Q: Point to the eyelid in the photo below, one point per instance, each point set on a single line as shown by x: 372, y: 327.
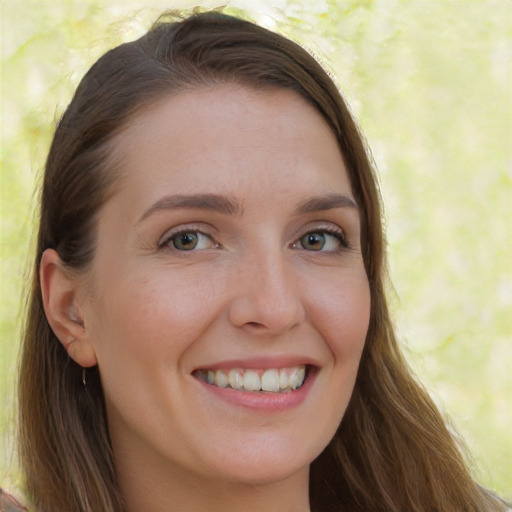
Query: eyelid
x: 183, y: 229
x: 206, y: 230
x: 328, y: 229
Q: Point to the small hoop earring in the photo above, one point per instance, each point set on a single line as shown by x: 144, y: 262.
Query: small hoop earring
x: 84, y: 377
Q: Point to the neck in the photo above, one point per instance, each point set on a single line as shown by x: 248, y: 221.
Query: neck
x: 159, y: 492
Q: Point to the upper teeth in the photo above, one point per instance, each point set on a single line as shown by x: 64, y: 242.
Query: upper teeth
x: 273, y: 380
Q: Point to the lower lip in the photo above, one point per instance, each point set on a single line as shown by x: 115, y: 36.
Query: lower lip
x: 262, y: 400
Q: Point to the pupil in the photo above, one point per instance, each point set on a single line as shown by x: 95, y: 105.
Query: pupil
x: 188, y: 241
x: 314, y: 241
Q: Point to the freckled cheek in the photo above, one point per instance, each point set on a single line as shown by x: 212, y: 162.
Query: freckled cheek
x: 147, y: 315
x: 343, y: 313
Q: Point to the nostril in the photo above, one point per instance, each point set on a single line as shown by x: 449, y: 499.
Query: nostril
x: 254, y: 324
x: 265, y: 313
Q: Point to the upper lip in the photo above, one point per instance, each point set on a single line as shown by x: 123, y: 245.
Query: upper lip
x: 261, y: 362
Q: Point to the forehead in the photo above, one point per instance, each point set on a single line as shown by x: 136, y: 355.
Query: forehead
x: 228, y: 137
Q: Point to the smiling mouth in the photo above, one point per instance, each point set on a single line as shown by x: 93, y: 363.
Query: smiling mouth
x: 273, y: 380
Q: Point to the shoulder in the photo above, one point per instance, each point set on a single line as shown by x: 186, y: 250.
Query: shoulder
x: 8, y: 503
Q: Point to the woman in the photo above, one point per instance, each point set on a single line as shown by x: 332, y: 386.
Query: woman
x: 207, y: 327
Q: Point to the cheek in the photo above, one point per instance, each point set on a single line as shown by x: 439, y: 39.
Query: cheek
x: 144, y: 318
x: 343, y: 314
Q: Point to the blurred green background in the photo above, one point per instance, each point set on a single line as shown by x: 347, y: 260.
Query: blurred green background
x: 430, y: 82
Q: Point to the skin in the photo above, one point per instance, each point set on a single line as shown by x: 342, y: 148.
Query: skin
x: 149, y: 314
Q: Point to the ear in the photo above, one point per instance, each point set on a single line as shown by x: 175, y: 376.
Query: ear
x: 60, y: 291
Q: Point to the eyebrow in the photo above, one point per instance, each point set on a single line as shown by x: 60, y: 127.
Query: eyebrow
x: 211, y: 202
x: 228, y: 206
x: 326, y: 202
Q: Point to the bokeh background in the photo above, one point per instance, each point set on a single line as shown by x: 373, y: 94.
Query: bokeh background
x: 430, y: 82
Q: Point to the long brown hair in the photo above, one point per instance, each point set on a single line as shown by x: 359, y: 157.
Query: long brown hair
x: 392, y: 451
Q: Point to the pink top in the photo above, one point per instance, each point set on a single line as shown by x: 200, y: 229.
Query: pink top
x: 8, y: 503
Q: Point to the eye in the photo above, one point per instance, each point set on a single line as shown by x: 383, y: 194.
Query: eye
x: 189, y: 241
x: 321, y: 241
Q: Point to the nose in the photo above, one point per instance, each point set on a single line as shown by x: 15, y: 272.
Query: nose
x: 267, y: 297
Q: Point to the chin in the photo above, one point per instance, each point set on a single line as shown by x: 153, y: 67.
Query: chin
x: 264, y: 466
x: 259, y: 476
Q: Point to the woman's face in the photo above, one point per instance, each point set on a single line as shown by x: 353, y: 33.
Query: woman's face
x: 227, y: 260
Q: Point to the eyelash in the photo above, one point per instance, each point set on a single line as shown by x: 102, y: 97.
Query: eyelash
x: 168, y: 241
x: 335, y: 232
